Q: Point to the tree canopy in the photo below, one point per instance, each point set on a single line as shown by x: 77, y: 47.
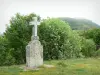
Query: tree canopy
x: 18, y: 35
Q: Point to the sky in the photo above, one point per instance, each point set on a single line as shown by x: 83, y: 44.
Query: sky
x: 88, y: 9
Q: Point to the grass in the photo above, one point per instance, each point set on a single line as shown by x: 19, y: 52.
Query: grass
x: 89, y: 66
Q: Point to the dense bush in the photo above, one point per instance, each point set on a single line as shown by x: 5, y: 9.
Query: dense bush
x: 97, y: 53
x: 18, y: 35
x: 58, y: 40
x: 6, y: 57
x: 88, y: 47
x: 92, y: 34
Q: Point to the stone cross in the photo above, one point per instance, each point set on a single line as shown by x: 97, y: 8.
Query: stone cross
x: 35, y: 23
x: 34, y: 49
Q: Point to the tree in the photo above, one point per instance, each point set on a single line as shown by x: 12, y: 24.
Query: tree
x: 18, y: 35
x: 88, y: 47
x: 57, y: 39
x: 93, y: 34
x: 5, y: 52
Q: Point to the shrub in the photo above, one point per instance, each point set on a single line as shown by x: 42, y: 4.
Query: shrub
x: 97, y: 53
x: 6, y: 57
x: 93, y: 34
x: 19, y: 34
x: 9, y: 59
x: 58, y: 40
x: 88, y: 47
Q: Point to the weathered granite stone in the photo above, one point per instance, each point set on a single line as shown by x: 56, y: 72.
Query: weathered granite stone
x: 34, y: 53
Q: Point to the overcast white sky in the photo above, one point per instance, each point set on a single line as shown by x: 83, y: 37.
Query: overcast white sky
x: 89, y: 9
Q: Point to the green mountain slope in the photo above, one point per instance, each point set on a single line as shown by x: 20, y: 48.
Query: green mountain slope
x: 80, y: 24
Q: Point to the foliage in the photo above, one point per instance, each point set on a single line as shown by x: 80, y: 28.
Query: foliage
x: 93, y: 34
x: 58, y: 40
x: 97, y: 53
x: 80, y: 24
x: 5, y: 53
x: 3, y: 45
x: 18, y: 35
x: 75, y: 41
x: 56, y: 36
x: 88, y: 47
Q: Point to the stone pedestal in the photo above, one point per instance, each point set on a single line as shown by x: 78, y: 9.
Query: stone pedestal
x: 34, y: 53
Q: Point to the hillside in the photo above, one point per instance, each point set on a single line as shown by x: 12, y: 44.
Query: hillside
x: 80, y: 24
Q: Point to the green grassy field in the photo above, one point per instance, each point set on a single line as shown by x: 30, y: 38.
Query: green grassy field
x: 89, y: 66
